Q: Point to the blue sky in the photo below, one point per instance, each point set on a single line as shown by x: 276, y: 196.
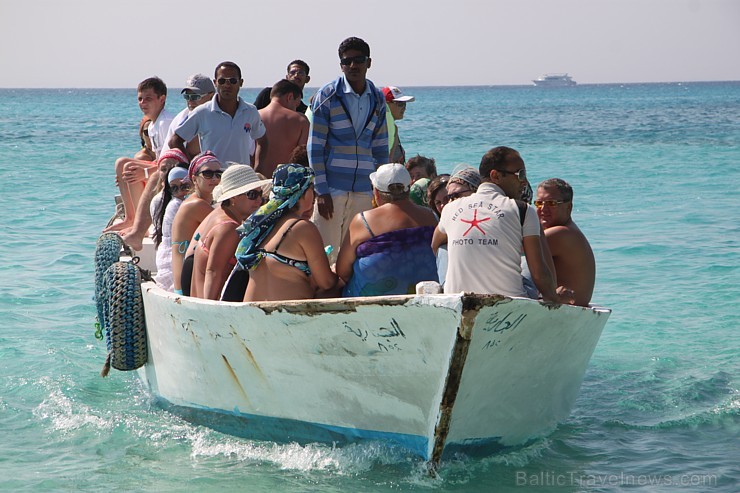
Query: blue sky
x: 117, y: 43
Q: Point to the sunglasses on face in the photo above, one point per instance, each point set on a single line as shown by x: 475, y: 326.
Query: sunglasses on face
x: 456, y: 195
x: 180, y: 188
x: 297, y: 72
x: 209, y: 174
x: 254, y: 194
x: 359, y: 59
x: 223, y: 80
x: 400, y: 104
x: 549, y: 203
x: 192, y: 97
x: 520, y: 174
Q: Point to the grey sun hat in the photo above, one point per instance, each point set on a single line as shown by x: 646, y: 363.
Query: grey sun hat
x: 236, y: 180
x: 199, y: 84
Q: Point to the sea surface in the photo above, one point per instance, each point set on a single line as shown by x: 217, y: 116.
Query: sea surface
x: 656, y: 174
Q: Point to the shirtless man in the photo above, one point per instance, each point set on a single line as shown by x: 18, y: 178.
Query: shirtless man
x: 286, y: 128
x: 575, y: 266
x: 297, y: 73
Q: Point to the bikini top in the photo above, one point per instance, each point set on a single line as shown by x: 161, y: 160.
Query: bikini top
x: 202, y: 243
x: 367, y: 226
x: 301, y: 265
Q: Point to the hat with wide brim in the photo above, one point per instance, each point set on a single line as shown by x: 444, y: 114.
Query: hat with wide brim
x: 238, y: 179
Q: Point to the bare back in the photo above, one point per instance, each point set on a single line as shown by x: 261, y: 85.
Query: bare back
x: 575, y: 266
x: 275, y: 280
x: 191, y: 213
x: 285, y: 129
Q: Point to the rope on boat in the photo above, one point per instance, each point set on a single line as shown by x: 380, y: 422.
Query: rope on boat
x: 107, y: 252
x: 123, y: 316
x: 119, y: 305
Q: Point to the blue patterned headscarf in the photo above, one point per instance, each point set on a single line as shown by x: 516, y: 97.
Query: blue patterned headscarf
x: 289, y: 183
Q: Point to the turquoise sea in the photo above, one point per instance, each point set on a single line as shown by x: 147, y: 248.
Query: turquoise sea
x: 656, y: 172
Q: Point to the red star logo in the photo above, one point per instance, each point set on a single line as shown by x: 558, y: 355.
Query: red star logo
x: 475, y: 222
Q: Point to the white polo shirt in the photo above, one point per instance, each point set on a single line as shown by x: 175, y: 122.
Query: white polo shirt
x: 484, y: 242
x: 230, y: 139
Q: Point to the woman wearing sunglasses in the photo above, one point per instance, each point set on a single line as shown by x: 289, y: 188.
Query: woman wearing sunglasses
x: 176, y: 186
x: 204, y: 173
x: 238, y: 196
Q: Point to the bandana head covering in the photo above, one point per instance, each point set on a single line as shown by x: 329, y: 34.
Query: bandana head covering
x: 289, y: 183
x: 175, y: 154
x: 466, y: 174
x: 418, y: 193
x: 199, y: 161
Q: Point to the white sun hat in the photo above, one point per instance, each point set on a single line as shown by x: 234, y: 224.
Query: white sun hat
x: 236, y: 180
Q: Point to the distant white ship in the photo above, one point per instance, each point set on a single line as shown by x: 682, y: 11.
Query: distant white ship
x: 554, y: 80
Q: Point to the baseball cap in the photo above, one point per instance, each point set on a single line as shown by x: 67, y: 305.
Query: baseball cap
x: 199, y: 84
x: 390, y: 174
x: 392, y: 93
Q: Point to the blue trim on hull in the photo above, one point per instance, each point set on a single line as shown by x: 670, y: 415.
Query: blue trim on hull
x: 284, y: 430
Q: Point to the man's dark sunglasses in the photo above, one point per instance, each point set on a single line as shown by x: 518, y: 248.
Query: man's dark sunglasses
x: 231, y: 80
x: 359, y: 59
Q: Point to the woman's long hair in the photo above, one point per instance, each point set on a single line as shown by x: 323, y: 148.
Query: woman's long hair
x: 158, y: 218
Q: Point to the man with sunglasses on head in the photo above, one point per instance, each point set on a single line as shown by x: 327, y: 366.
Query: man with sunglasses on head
x: 298, y: 75
x: 198, y: 90
x: 575, y: 266
x: 485, y: 233
x: 227, y: 125
x: 348, y: 141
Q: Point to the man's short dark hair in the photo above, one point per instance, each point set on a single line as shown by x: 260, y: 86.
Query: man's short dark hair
x: 566, y: 191
x: 283, y: 87
x: 228, y: 64
x: 299, y: 156
x: 154, y: 83
x: 425, y: 162
x: 497, y: 158
x: 300, y: 63
x: 354, y: 44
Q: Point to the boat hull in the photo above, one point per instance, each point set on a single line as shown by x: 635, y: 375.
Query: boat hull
x: 431, y: 373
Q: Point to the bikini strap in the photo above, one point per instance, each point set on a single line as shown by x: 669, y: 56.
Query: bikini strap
x: 367, y: 226
x: 284, y: 235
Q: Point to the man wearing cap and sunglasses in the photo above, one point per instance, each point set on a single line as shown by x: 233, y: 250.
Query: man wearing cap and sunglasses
x: 396, y: 101
x: 575, y: 266
x: 485, y: 233
x: 348, y: 141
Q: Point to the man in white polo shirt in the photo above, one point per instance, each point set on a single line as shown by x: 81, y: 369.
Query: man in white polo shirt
x: 484, y: 233
x: 228, y: 126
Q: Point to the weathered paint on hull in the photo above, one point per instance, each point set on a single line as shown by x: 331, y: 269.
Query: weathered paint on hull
x: 420, y: 371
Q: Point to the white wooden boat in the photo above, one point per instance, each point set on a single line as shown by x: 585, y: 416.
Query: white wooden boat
x: 432, y: 373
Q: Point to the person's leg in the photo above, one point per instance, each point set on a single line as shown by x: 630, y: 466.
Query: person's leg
x: 134, y: 237
x: 121, y: 162
x: 331, y: 229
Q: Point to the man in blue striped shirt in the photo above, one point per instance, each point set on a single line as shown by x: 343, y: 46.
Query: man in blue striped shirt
x: 348, y: 141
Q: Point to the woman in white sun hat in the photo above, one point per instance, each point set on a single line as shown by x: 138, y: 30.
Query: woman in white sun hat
x: 239, y: 194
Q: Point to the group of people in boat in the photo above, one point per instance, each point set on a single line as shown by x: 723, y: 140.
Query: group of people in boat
x: 282, y: 200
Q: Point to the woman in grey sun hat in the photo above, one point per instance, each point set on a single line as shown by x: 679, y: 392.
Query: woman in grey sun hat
x: 238, y: 195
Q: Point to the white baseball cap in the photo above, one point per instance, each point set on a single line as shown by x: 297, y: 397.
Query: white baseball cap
x: 392, y: 93
x: 390, y: 174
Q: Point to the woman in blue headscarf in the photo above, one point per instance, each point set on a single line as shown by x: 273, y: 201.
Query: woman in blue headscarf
x: 284, y: 251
